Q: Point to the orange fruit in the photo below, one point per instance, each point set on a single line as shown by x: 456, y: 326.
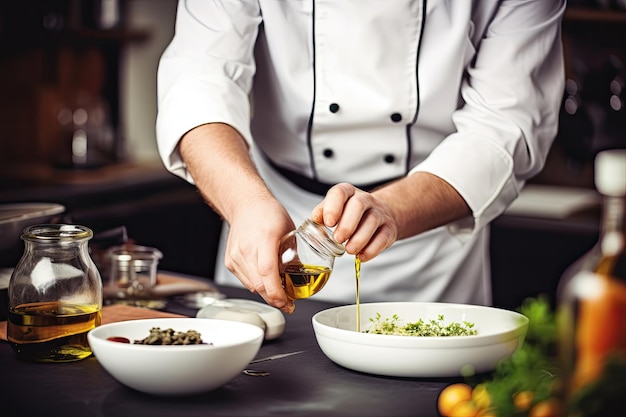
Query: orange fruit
x: 451, y: 396
x: 546, y: 408
x: 465, y: 408
x: 481, y: 397
x: 523, y: 400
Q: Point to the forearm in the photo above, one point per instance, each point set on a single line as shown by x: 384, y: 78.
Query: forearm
x: 427, y: 202
x: 218, y: 160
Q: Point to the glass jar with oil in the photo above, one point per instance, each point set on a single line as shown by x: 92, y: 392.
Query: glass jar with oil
x: 54, y: 295
x: 306, y: 259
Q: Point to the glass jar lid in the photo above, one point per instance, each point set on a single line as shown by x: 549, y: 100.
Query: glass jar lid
x: 138, y: 255
x: 54, y: 233
x: 320, y: 238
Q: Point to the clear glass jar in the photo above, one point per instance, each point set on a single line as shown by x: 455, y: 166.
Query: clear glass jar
x: 132, y: 276
x: 306, y: 259
x: 55, y: 295
x: 592, y: 305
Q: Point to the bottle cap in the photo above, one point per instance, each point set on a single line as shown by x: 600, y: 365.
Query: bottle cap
x: 610, y: 172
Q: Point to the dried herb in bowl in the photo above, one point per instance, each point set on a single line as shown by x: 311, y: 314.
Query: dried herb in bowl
x: 165, y: 337
x: 171, y: 337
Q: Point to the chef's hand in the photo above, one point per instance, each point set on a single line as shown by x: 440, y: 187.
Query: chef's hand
x: 369, y: 223
x: 218, y: 159
x: 362, y: 221
x: 252, y: 249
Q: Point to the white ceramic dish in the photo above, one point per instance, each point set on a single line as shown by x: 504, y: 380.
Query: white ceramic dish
x: 500, y: 333
x: 176, y: 370
x: 269, y: 318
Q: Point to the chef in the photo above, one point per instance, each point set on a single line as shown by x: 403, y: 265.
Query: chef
x: 407, y: 126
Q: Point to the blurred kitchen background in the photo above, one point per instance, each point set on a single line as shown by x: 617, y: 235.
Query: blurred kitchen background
x: 78, y: 108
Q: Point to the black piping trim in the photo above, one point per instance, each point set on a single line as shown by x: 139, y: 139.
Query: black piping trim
x: 317, y: 187
x: 417, y: 86
x: 408, y: 127
x: 310, y: 125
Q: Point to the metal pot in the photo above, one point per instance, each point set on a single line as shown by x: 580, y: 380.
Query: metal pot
x: 5, y: 276
x: 15, y: 217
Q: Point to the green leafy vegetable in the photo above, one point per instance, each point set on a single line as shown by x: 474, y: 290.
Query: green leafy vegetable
x: 532, y: 368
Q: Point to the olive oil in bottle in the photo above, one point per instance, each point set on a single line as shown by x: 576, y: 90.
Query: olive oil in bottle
x: 306, y: 259
x: 592, y: 306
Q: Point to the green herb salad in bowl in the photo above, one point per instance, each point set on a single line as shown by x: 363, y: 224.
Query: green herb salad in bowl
x: 417, y: 339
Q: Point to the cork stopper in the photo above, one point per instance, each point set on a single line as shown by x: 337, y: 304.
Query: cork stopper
x: 610, y: 172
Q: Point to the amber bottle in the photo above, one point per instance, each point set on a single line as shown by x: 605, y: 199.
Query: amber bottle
x: 592, y: 306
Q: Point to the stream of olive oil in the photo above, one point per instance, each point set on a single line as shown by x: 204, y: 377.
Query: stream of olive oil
x: 357, y: 270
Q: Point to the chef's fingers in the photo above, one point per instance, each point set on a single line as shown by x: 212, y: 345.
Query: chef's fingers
x: 355, y: 216
x: 259, y: 274
x: 268, y: 284
x: 361, y: 221
x: 252, y: 250
x: 379, y: 241
x: 235, y: 261
x: 362, y: 232
x: 368, y: 226
x: 330, y: 210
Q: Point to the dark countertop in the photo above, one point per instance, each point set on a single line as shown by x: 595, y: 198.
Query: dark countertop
x: 302, y: 385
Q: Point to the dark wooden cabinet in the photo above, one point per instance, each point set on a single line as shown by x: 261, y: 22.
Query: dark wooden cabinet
x: 529, y: 255
x: 53, y: 56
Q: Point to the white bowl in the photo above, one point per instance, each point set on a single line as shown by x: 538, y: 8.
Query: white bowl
x: 176, y: 369
x: 499, y: 333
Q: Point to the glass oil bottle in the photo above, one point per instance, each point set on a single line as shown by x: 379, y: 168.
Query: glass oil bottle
x: 306, y: 259
x: 54, y: 296
x: 592, y: 305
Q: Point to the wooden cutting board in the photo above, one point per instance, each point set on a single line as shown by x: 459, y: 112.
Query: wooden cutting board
x: 114, y: 313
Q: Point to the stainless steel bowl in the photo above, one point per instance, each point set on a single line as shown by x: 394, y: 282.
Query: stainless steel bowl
x: 5, y: 276
x: 15, y: 217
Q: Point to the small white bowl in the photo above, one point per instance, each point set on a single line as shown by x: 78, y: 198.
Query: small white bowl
x: 176, y: 369
x: 499, y: 333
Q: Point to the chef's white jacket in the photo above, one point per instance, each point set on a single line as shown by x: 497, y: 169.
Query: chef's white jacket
x: 370, y: 90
